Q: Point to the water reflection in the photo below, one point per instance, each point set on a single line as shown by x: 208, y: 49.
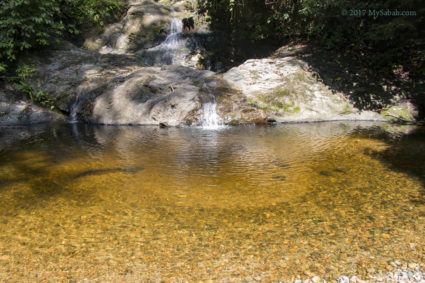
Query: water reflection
x: 144, y: 203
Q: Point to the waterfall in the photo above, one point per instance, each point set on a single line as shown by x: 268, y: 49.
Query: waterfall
x: 173, y: 43
x: 74, y: 109
x: 176, y: 27
x: 76, y: 106
x: 210, y: 118
x: 172, y: 51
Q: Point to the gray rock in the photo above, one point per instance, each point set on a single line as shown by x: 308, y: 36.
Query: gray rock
x: 117, y: 89
x: 286, y: 91
x: 144, y: 25
x: 150, y: 96
x: 23, y: 112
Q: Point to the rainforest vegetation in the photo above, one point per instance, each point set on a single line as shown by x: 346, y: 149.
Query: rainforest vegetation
x: 364, y: 28
x: 384, y: 34
x: 33, y: 24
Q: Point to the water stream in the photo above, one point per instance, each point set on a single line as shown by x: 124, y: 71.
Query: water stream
x: 74, y: 111
x: 172, y: 50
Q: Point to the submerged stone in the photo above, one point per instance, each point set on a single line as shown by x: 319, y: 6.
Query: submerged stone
x: 279, y: 177
x: 126, y: 170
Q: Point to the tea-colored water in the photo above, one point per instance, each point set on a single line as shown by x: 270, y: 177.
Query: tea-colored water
x: 86, y: 203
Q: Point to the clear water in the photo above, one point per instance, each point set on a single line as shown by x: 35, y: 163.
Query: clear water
x: 126, y: 204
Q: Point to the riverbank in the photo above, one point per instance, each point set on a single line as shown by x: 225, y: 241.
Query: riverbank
x: 146, y: 70
x: 283, y: 87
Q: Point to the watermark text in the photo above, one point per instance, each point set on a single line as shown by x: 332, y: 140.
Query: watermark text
x: 377, y: 13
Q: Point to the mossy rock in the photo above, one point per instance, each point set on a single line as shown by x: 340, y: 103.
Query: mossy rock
x: 280, y: 100
x: 398, y: 113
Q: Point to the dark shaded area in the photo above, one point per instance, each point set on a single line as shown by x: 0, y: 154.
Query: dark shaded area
x: 405, y: 153
x: 371, y: 58
x: 280, y: 164
x: 225, y: 52
x: 364, y: 87
x: 188, y: 24
x: 55, y: 143
x: 126, y: 170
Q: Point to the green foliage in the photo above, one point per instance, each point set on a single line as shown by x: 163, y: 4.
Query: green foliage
x: 27, y: 71
x: 32, y: 24
x: 26, y: 24
x: 39, y: 97
x: 44, y: 99
x: 381, y: 39
x: 90, y: 12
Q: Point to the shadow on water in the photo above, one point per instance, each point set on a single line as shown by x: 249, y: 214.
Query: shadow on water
x: 30, y: 153
x: 405, y: 153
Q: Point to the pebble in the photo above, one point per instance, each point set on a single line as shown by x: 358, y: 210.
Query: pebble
x: 355, y: 279
x: 413, y: 266
x: 344, y: 279
x: 415, y: 274
x: 4, y: 257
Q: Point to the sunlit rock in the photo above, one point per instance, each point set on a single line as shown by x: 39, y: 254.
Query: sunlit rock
x: 287, y: 91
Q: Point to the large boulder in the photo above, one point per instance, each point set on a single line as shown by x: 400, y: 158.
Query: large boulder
x: 286, y: 90
x: 172, y: 95
x: 117, y: 89
x: 151, y: 95
x: 70, y: 73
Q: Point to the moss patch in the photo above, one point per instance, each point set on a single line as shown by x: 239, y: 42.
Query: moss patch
x: 347, y: 110
x: 397, y: 113
x: 274, y: 104
x: 285, y: 99
x: 281, y: 92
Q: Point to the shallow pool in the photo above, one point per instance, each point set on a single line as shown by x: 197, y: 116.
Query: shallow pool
x: 102, y: 203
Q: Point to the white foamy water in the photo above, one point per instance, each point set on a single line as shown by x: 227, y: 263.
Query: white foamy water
x: 172, y: 50
x: 210, y: 117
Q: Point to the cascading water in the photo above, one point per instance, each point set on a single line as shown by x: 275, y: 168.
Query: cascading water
x: 173, y: 43
x: 172, y: 51
x: 210, y: 118
x: 76, y: 106
x: 74, y: 109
